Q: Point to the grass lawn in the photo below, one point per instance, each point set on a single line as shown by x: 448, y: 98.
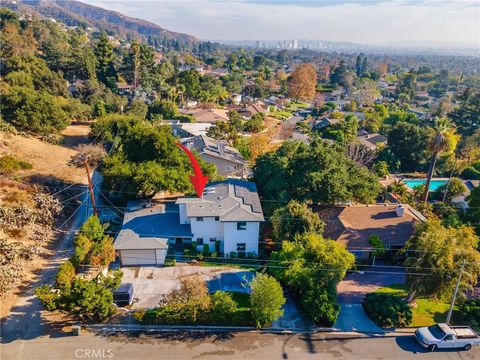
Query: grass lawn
x: 295, y: 106
x: 281, y: 114
x: 428, y: 311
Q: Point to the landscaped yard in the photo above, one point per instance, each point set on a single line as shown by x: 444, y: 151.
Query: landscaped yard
x: 428, y: 311
x: 296, y: 105
x: 281, y: 114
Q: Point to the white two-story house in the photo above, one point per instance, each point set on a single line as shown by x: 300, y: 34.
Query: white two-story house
x: 229, y: 212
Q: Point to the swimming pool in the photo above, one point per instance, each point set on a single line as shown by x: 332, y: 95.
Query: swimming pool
x: 434, y: 184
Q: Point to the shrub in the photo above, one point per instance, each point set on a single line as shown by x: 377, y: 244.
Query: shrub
x: 194, y: 247
x: 206, y: 250
x: 218, y: 246
x: 470, y: 313
x: 65, y: 275
x: 10, y: 164
x: 387, y: 310
x: 222, y: 308
x: 214, y: 254
x: 266, y: 300
x: 233, y: 254
x: 321, y: 306
x: 250, y: 255
x: 48, y: 297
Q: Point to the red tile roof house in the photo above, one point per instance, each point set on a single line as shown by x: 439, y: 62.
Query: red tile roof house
x: 353, y: 225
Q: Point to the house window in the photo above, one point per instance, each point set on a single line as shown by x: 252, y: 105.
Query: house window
x: 199, y: 241
x: 241, y: 246
x: 241, y: 225
x: 217, y: 218
x: 230, y: 167
x: 213, y: 239
x: 199, y: 218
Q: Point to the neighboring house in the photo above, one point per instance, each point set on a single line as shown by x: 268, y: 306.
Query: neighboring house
x: 228, y: 160
x: 324, y: 122
x: 229, y: 212
x: 187, y: 130
x: 248, y: 110
x: 207, y: 115
x: 220, y: 71
x: 420, y: 113
x: 372, y: 141
x: 125, y: 89
x: 353, y: 225
x: 236, y: 98
x: 341, y: 104
x: 460, y: 199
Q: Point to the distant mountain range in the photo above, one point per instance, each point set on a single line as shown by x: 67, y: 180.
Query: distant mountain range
x: 74, y: 13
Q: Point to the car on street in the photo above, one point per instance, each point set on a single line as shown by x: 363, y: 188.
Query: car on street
x: 444, y: 336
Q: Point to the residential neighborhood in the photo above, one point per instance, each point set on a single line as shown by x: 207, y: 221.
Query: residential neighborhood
x: 239, y: 179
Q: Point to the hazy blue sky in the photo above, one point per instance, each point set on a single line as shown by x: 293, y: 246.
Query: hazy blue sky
x: 368, y: 21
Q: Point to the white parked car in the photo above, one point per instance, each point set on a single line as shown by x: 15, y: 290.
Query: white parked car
x: 444, y: 336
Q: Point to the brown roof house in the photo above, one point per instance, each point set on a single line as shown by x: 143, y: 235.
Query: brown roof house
x: 207, y: 115
x: 228, y: 160
x: 353, y: 225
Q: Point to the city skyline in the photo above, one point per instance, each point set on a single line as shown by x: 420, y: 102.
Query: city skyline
x: 424, y: 22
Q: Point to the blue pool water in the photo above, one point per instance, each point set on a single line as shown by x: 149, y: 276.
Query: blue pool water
x: 434, y: 184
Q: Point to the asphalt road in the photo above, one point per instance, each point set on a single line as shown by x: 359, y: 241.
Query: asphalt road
x: 249, y: 345
x: 25, y: 320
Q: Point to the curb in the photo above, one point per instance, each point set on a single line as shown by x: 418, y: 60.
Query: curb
x: 112, y: 328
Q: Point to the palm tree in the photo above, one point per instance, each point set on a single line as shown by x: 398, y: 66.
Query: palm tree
x: 439, y: 143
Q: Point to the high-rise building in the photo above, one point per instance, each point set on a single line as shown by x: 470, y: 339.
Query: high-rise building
x: 295, y: 44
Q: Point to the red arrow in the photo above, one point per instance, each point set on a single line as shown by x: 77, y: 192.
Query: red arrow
x: 198, y: 179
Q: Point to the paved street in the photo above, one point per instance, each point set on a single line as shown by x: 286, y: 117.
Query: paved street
x: 249, y: 345
x: 25, y: 319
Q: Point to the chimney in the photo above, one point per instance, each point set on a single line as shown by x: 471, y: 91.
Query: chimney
x: 400, y: 210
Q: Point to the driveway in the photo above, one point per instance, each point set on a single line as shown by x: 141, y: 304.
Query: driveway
x: 353, y: 288
x: 150, y: 283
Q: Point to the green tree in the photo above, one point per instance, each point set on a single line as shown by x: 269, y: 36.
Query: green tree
x: 293, y: 219
x: 32, y: 110
x: 266, y: 300
x: 474, y: 198
x: 105, y: 61
x: 443, y: 140
x: 93, y: 229
x: 90, y: 299
x: 82, y: 247
x: 316, y: 172
x: 442, y: 250
x: 408, y: 142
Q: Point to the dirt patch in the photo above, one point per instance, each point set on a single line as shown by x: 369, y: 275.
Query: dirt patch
x: 75, y: 135
x: 48, y: 161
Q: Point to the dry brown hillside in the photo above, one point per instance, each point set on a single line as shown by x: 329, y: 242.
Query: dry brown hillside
x: 28, y: 211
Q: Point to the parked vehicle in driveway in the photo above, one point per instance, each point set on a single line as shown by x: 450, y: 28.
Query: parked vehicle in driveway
x: 444, y: 336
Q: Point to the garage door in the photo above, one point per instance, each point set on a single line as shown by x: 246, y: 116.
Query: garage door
x: 138, y: 257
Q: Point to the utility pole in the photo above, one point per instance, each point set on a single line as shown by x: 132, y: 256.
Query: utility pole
x: 92, y: 195
x: 454, y: 297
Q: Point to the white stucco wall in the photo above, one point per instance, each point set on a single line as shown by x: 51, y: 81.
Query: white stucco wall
x: 206, y: 229
x: 232, y: 236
